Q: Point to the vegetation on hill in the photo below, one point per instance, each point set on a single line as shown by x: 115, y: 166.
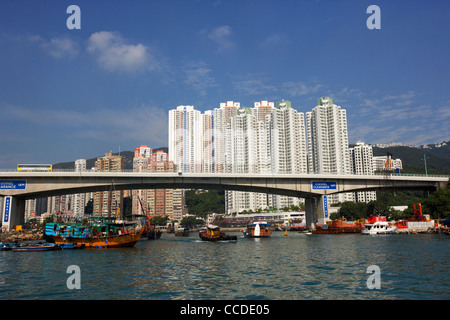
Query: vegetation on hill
x: 437, y: 159
x: 437, y: 205
x: 203, y: 203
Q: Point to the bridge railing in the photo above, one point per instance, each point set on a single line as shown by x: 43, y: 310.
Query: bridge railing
x: 389, y: 174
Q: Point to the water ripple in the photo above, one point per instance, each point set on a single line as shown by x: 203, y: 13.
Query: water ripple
x: 294, y: 267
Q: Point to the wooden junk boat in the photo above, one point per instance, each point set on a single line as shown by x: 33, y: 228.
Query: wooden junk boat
x: 213, y: 233
x: 259, y: 229
x: 150, y: 231
x: 339, y: 226
x: 97, y: 233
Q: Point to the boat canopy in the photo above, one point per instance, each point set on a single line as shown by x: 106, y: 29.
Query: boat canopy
x: 261, y: 223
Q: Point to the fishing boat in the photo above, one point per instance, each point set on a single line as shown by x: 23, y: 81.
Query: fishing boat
x: 182, y: 232
x: 213, y: 233
x: 36, y: 247
x: 6, y: 246
x: 259, y: 229
x: 150, y: 231
x: 68, y: 246
x: 339, y: 226
x: 379, y: 227
x: 97, y: 233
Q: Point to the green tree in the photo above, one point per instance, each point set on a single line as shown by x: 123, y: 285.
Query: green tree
x: 203, y: 203
x: 160, y: 221
x: 437, y: 205
x: 379, y: 208
x: 351, y: 210
x: 191, y: 221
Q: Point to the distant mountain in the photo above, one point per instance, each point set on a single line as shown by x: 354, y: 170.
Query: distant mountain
x: 437, y: 157
x: 90, y: 163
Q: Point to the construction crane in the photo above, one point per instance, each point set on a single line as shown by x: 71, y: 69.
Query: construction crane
x: 388, y: 164
x: 418, y: 216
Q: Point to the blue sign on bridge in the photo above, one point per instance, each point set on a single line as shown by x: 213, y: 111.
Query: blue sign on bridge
x: 7, y: 209
x: 324, y: 185
x: 13, y: 184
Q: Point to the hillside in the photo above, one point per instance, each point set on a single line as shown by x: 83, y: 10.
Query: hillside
x: 90, y: 163
x: 437, y: 157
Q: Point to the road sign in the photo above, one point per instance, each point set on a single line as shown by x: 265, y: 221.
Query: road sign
x: 13, y: 184
x: 7, y: 209
x: 324, y: 185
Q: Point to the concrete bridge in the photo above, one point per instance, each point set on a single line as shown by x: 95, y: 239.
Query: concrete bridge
x: 16, y: 187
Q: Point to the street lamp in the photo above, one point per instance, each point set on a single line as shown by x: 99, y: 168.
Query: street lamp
x: 425, y: 163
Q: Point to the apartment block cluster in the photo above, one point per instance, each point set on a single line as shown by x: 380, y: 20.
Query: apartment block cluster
x: 162, y: 202
x: 270, y: 138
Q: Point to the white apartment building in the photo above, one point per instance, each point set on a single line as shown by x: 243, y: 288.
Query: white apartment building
x: 207, y: 142
x: 262, y: 139
x: 185, y: 138
x: 379, y: 163
x: 79, y: 199
x: 361, y: 157
x: 327, y: 141
x: 287, y: 146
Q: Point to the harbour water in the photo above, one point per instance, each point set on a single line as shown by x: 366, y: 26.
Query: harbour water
x: 293, y: 267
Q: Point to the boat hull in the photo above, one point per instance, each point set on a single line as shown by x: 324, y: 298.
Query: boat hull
x: 36, y: 248
x: 338, y: 230
x: 222, y: 237
x: 116, y: 241
x: 257, y: 230
x: 250, y: 234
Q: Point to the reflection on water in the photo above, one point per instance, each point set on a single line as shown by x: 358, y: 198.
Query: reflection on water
x: 297, y: 266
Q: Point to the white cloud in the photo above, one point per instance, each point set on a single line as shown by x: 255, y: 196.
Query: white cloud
x: 221, y: 36
x: 275, y: 40
x: 198, y: 76
x: 114, y: 54
x: 295, y: 89
x: 255, y: 85
x: 132, y: 123
x: 57, y: 47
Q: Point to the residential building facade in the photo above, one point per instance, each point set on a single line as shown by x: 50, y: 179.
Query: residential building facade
x: 108, y: 203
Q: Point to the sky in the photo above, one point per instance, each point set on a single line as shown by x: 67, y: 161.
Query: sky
x: 70, y: 93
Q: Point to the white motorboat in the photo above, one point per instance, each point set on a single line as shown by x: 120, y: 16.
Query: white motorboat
x: 379, y: 227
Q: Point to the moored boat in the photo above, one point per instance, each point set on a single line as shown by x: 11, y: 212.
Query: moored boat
x: 36, y: 247
x: 98, y: 233
x: 6, y: 246
x: 213, y: 233
x: 182, y: 232
x: 150, y: 231
x: 339, y: 226
x: 379, y: 227
x: 259, y: 229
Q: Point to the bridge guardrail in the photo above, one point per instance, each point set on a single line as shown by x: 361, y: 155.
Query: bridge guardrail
x: 330, y: 174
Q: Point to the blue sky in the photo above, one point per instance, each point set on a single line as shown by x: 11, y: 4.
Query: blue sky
x: 68, y: 94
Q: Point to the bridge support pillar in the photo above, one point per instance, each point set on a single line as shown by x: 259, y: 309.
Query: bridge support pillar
x: 13, y: 212
x: 316, y: 211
